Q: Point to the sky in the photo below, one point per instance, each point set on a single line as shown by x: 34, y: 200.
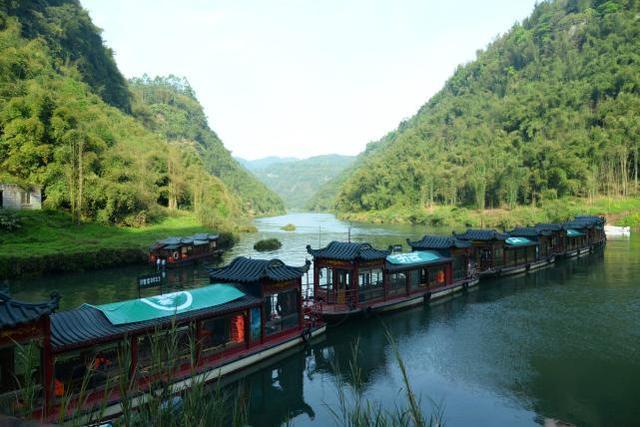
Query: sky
x: 303, y: 77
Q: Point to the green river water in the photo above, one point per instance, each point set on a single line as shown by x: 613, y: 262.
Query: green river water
x: 562, y: 343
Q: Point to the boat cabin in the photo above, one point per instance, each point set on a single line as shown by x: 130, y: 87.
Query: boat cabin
x: 519, y: 252
x: 348, y: 273
x: 24, y: 336
x: 460, y: 251
x: 418, y: 272
x: 595, y: 231
x: 489, y: 249
x: 277, y: 285
x: 577, y: 236
x: 175, y: 251
x: 558, y: 237
x: 207, y: 325
x: 543, y: 237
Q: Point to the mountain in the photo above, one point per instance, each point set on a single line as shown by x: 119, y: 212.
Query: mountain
x: 66, y: 28
x: 265, y: 162
x: 96, y: 161
x: 169, y: 107
x: 310, y: 175
x: 549, y: 110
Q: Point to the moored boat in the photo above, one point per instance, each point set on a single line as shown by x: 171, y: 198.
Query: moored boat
x: 356, y: 278
x: 179, y: 251
x: 218, y: 329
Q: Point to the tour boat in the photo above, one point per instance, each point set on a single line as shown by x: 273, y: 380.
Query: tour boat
x: 179, y: 251
x: 232, y: 323
x: 488, y: 248
x: 356, y: 278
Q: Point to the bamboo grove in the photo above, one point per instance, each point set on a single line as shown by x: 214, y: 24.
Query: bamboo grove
x: 548, y: 110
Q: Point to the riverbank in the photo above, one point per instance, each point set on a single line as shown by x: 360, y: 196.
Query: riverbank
x: 618, y: 211
x: 49, y: 242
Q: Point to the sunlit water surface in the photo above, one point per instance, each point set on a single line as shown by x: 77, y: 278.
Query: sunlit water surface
x: 562, y: 343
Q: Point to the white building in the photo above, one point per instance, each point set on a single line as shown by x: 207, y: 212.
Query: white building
x: 15, y: 197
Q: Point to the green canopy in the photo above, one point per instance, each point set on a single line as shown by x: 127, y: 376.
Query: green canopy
x: 419, y: 257
x: 159, y: 306
x: 519, y: 241
x: 574, y: 233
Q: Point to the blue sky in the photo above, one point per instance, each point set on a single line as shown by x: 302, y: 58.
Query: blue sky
x: 303, y: 77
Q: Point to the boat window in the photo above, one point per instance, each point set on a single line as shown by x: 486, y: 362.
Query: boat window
x: 418, y: 278
x: 176, y: 345
x: 369, y: 278
x: 459, y: 267
x: 498, y: 256
x: 397, y: 283
x: 93, y: 367
x: 531, y: 253
x: 510, y: 255
x: 325, y: 278
x: 220, y: 334
x: 281, y: 312
x: 436, y: 277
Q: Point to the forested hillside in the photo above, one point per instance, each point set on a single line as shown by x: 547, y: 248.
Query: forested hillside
x: 169, y: 107
x: 548, y: 110
x: 297, y: 181
x: 90, y: 158
x: 66, y: 29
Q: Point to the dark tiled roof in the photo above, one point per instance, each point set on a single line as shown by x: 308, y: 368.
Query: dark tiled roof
x: 438, y: 242
x: 592, y: 219
x: 248, y: 270
x: 175, y: 242
x: 578, y: 225
x: 86, y: 325
x: 472, y: 234
x: 549, y: 227
x: 344, y: 251
x: 530, y: 232
x: 14, y: 313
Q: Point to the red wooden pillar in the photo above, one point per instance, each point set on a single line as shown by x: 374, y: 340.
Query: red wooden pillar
x: 300, y: 311
x: 316, y: 276
x: 449, y: 274
x: 134, y: 357
x: 247, y: 328
x: 355, y: 284
x: 48, y: 371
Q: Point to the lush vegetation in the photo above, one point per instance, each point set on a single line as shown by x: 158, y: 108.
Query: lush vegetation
x: 288, y: 227
x: 548, y: 111
x: 168, y: 106
x: 97, y: 162
x: 66, y: 29
x: 49, y: 241
x: 267, y: 245
x: 297, y: 181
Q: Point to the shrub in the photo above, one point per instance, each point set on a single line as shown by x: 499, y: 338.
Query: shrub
x: 288, y: 227
x: 267, y: 245
x: 9, y: 221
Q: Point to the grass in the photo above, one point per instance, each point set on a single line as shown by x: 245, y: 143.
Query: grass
x: 618, y: 210
x: 50, y: 241
x: 288, y: 227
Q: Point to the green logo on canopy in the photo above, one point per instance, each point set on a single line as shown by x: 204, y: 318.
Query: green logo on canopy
x: 174, y: 301
x: 419, y: 257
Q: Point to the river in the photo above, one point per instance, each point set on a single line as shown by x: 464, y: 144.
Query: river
x: 561, y: 343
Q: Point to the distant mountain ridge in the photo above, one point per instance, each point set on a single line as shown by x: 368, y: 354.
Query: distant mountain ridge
x: 264, y: 162
x: 297, y: 181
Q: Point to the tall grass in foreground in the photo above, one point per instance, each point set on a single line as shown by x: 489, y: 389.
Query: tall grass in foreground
x: 355, y: 410
x: 201, y: 404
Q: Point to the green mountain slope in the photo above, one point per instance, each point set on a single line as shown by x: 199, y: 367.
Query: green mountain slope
x: 310, y: 175
x: 90, y: 158
x: 72, y: 39
x: 168, y: 106
x: 550, y: 109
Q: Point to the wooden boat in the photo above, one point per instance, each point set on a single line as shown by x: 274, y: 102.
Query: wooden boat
x: 179, y: 251
x: 531, y: 246
x: 356, y: 278
x: 488, y: 248
x: 233, y: 323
